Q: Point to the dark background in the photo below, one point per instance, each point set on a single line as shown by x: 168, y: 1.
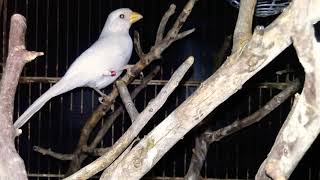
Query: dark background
x: 62, y: 29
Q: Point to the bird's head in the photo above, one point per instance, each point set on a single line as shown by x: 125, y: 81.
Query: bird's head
x: 120, y: 20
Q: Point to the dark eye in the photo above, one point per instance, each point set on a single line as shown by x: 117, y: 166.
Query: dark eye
x: 121, y: 16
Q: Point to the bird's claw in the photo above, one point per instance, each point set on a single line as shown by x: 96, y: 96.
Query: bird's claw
x: 104, y: 99
x: 141, y: 75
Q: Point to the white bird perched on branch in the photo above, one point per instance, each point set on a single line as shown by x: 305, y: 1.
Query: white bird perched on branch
x: 98, y: 66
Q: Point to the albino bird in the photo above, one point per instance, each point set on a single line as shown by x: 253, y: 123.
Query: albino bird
x: 98, y: 66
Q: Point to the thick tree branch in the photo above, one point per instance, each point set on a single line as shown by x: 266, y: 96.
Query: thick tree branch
x: 107, y: 172
x: 209, y: 136
x: 302, y: 125
x: 145, y: 60
x: 261, y: 49
x: 127, y: 101
x: 142, y: 119
x: 11, y: 165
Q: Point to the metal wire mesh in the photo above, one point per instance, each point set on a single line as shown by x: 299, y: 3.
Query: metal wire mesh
x: 265, y: 8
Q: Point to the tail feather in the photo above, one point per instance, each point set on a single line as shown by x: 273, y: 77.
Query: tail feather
x: 55, y: 90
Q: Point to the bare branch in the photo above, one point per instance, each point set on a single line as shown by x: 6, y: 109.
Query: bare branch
x: 184, y: 34
x: 142, y: 119
x: 49, y: 152
x: 127, y: 101
x: 163, y: 23
x: 111, y: 118
x: 302, y: 124
x: 11, y: 164
x: 107, y: 172
x: 209, y: 136
x: 243, y: 30
x: 80, y: 154
x: 173, y: 32
x: 137, y: 44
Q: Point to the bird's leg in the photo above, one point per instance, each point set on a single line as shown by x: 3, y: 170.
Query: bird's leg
x: 103, y: 97
x: 99, y: 92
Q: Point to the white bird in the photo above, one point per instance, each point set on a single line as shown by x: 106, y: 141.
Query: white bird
x: 98, y: 66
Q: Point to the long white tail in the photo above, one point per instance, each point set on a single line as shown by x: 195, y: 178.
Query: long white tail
x: 55, y: 90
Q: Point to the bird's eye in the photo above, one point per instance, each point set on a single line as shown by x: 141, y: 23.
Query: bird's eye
x: 121, y: 16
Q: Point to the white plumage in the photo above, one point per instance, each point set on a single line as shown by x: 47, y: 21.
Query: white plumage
x: 110, y: 53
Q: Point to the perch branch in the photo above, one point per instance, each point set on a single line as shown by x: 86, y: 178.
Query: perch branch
x: 302, y: 125
x: 145, y: 60
x: 127, y: 100
x: 81, y: 154
x: 142, y: 119
x: 49, y: 152
x: 209, y: 136
x: 11, y: 164
x: 91, y: 149
x: 261, y: 49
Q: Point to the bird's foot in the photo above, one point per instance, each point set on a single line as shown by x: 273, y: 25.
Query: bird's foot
x: 105, y: 99
x: 128, y: 68
x: 141, y: 76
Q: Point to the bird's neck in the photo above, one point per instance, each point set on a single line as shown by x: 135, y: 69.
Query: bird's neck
x: 112, y: 34
x: 115, y: 28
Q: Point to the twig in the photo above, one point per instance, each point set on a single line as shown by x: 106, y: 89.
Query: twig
x: 163, y: 23
x: 49, y: 152
x: 142, y: 119
x: 137, y: 45
x: 145, y: 60
x: 12, y: 166
x: 134, y: 93
x: 208, y: 136
x: 127, y: 101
